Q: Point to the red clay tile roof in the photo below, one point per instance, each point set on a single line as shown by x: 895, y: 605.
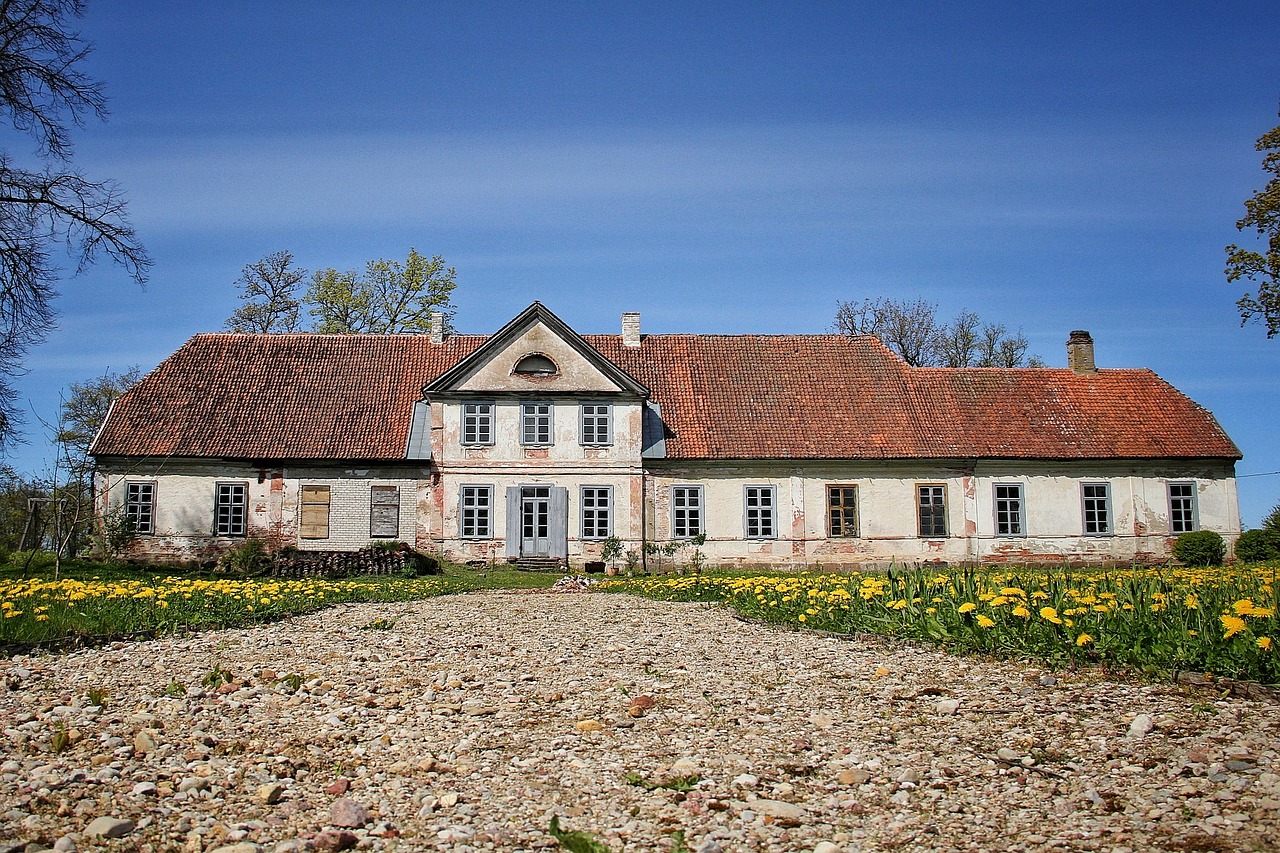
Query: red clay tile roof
x: 723, y: 397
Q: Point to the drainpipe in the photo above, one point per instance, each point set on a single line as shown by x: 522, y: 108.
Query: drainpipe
x: 644, y: 518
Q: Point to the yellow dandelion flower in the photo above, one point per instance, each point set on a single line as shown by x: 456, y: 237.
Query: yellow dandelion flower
x: 985, y: 621
x: 1050, y: 615
x: 1243, y: 607
x: 1264, y: 643
x: 967, y: 607
x: 1233, y: 625
x: 1084, y: 640
x: 1022, y: 611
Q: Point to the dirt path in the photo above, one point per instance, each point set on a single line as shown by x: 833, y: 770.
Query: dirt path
x: 467, y: 722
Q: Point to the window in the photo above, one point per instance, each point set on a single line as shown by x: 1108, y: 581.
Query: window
x: 842, y: 510
x: 535, y: 423
x: 1009, y: 510
x: 597, y: 512
x: 314, y: 523
x: 932, y: 502
x: 597, y: 423
x: 536, y: 365
x: 230, y: 508
x: 686, y: 512
x: 1182, y: 508
x: 477, y: 423
x: 759, y: 505
x: 384, y: 512
x: 1096, y: 498
x: 476, y: 512
x: 140, y: 507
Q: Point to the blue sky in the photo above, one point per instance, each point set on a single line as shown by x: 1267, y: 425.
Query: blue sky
x: 729, y: 167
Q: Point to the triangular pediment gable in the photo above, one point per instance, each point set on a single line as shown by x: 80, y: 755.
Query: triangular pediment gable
x: 535, y: 336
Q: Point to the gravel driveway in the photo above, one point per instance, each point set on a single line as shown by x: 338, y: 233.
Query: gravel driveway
x: 468, y: 722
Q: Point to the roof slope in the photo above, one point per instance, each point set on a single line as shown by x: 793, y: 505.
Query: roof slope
x: 307, y: 396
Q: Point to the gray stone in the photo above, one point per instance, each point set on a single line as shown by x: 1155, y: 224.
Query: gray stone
x: 746, y: 780
x: 65, y: 844
x: 827, y: 847
x: 145, y: 789
x: 108, y: 827
x: 778, y: 809
x: 948, y: 707
x: 347, y: 812
x: 333, y: 840
x: 1141, y: 726
x: 240, y: 847
x: 1004, y: 753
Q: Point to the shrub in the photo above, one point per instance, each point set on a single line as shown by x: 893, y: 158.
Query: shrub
x: 245, y: 560
x: 1257, y: 546
x: 1200, y: 548
x: 1272, y: 521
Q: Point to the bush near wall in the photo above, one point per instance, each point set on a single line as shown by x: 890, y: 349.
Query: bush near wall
x: 1200, y: 548
x: 1258, y: 546
x: 374, y: 560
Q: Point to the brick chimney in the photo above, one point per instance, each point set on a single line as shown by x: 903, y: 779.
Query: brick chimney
x: 631, y: 329
x: 437, y: 327
x: 1080, y: 353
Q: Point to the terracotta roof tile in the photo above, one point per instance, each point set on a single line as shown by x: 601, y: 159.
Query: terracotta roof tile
x: 723, y: 397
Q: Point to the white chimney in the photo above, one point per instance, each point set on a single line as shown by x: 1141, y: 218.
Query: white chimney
x: 437, y: 327
x: 1080, y: 353
x: 631, y: 329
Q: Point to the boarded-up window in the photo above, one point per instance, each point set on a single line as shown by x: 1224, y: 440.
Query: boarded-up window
x: 315, y: 513
x: 384, y: 512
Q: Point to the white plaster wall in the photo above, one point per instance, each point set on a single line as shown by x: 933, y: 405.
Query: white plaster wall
x: 627, y: 509
x: 185, y: 497
x: 566, y: 413
x: 576, y: 374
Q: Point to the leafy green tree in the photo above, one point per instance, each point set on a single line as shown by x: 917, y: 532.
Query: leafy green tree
x: 1272, y: 521
x: 45, y: 204
x: 268, y: 289
x: 1262, y: 213
x: 389, y: 298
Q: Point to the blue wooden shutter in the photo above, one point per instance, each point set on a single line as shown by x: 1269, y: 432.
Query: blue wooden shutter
x: 513, y: 521
x: 558, y: 524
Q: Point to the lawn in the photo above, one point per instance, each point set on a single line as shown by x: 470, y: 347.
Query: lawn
x: 93, y: 602
x: 1157, y: 620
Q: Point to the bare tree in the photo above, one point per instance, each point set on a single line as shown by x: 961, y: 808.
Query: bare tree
x: 907, y: 328
x: 912, y: 330
x: 52, y: 206
x: 269, y: 290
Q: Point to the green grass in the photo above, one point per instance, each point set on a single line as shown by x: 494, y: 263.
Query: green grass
x: 95, y: 602
x: 1157, y: 620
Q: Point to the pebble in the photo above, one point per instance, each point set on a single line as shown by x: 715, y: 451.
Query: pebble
x: 794, y: 744
x: 270, y: 793
x: 1141, y: 726
x: 349, y: 813
x: 108, y: 827
x: 585, y: 726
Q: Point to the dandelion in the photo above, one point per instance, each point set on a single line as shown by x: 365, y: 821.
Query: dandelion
x: 1050, y: 615
x: 1233, y: 625
x: 985, y: 621
x: 1084, y: 640
x: 967, y: 607
x: 1022, y: 611
x: 1264, y: 643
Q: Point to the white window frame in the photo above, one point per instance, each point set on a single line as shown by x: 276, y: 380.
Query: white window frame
x: 1013, y: 505
x: 477, y: 424
x: 761, y: 518
x: 590, y: 517
x: 688, y: 500
x: 1192, y: 508
x: 941, y: 492
x: 533, y: 423
x: 224, y: 499
x: 595, y: 428
x: 476, y: 511
x: 141, y: 511
x: 1099, y: 505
